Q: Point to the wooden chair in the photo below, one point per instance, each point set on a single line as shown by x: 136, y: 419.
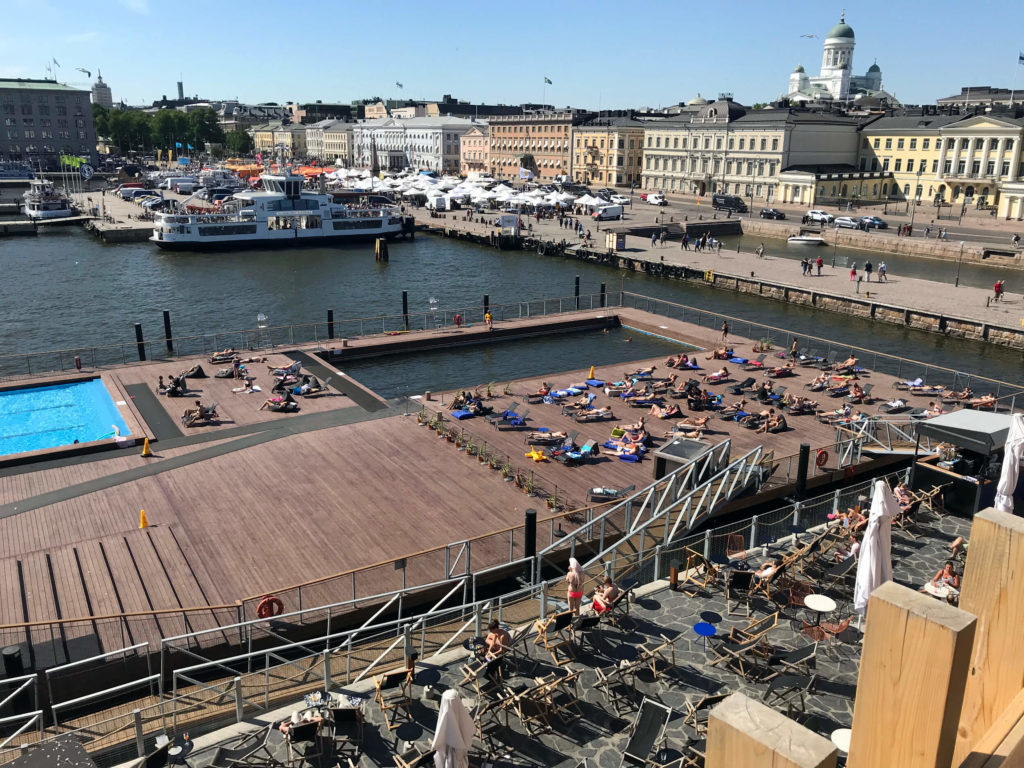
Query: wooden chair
x: 252, y: 749
x: 737, y: 656
x: 413, y: 757
x: 784, y: 689
x: 618, y: 609
x: 394, y: 696
x: 647, y: 731
x: 533, y: 712
x: 699, y: 571
x: 303, y: 741
x: 755, y: 630
x: 651, y: 655
x: 618, y: 684
x: 484, y: 675
x: 798, y: 590
x: 586, y: 631
x: 769, y: 587
x: 347, y: 730
x: 798, y: 662
x: 487, y: 716
x: 736, y: 547
x: 737, y: 589
x: 555, y: 634
x: 697, y: 711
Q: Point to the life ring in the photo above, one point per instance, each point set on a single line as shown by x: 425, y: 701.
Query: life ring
x: 542, y: 248
x: 269, y: 606
x: 821, y: 459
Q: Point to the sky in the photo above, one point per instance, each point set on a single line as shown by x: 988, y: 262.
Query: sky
x: 599, y: 55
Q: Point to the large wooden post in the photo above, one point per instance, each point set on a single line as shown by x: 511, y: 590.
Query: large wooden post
x: 912, y: 673
x: 744, y: 733
x: 993, y: 590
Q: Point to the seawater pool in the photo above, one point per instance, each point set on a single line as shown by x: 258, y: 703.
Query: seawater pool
x: 35, y: 418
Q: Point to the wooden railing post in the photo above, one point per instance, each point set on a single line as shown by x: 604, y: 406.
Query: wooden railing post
x: 744, y: 733
x: 912, y: 673
x: 993, y: 590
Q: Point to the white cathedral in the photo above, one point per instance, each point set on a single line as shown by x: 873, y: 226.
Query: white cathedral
x: 836, y: 81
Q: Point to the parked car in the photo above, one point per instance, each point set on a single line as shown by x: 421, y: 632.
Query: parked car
x: 620, y: 199
x: 656, y: 200
x: 823, y: 217
x: 872, y: 222
x: 732, y: 203
x: 846, y: 222
x: 772, y: 213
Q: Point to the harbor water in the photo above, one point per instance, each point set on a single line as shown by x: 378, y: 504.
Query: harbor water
x: 65, y: 290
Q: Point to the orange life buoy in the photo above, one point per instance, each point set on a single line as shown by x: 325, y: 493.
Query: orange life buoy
x: 821, y: 459
x: 269, y: 606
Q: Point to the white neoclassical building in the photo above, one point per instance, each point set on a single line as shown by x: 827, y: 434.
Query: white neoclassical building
x: 423, y: 143
x: 836, y: 81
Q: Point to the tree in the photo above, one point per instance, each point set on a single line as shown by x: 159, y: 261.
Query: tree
x: 759, y: 105
x: 239, y: 143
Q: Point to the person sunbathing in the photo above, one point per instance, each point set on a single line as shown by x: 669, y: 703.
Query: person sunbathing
x: 722, y: 353
x: 854, y: 518
x: 544, y: 391
x: 692, y: 421
x: 985, y: 401
x: 721, y: 373
x: 848, y: 363
x: 856, y: 391
x: 672, y: 361
x: 903, y: 496
x: 596, y: 414
x: 628, y: 449
x: 751, y: 417
x: 669, y: 412
x: 766, y: 571
x: 947, y: 577
x: 850, y: 549
x: 781, y: 370
x: 605, y: 595
x: 680, y: 362
x: 803, y: 405
x: 693, y: 434
x: 733, y: 408
x: 498, y: 641
x: 774, y: 424
x: 899, y: 402
x: 632, y: 427
x: 639, y: 372
x: 838, y: 389
x: 819, y: 382
x: 950, y: 394
x: 933, y: 410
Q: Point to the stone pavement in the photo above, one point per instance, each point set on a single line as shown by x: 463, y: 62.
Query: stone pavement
x: 601, y: 731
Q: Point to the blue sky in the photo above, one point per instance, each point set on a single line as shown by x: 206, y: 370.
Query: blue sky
x: 599, y: 54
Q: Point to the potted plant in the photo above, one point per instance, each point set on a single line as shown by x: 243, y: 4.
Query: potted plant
x: 507, y: 389
x: 529, y: 486
x: 518, y: 479
x: 553, y: 502
x: 506, y: 471
x: 483, y: 455
x: 471, y: 447
x: 490, y: 394
x: 449, y: 435
x: 493, y: 461
x: 423, y: 417
x: 460, y: 441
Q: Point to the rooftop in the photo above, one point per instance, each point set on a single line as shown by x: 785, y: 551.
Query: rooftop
x: 38, y: 85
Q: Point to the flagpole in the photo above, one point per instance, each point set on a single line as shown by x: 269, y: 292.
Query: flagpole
x: 1013, y: 86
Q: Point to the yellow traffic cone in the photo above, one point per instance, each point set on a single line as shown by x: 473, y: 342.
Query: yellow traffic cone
x: 591, y: 375
x: 143, y: 523
x: 145, y: 449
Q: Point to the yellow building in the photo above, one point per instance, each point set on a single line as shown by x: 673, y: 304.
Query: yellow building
x: 608, y: 151
x: 953, y: 160
x: 475, y: 146
x: 263, y: 137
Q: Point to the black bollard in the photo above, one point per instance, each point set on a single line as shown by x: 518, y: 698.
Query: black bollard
x: 604, y: 296
x: 330, y: 323
x: 405, y: 309
x: 530, y: 533
x: 142, y: 345
x: 487, y: 303
x: 576, y: 291
x: 167, y: 331
x: 801, y: 471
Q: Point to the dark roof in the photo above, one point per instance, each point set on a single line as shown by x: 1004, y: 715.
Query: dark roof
x: 910, y: 122
x: 824, y: 169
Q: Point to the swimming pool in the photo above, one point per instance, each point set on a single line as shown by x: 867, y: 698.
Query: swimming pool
x: 35, y: 418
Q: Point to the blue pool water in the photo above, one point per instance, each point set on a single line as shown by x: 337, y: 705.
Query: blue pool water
x: 49, y: 417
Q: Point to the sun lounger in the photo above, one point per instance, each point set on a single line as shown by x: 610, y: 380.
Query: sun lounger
x: 251, y: 750
x: 737, y: 389
x: 515, y: 421
x: 498, y: 416
x: 755, y: 365
x: 594, y: 416
x: 201, y: 415
x: 610, y: 494
x: 903, y: 386
x: 648, y: 730
x: 572, y: 458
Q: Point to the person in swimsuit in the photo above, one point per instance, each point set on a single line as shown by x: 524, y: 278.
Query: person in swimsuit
x: 574, y: 585
x: 605, y: 596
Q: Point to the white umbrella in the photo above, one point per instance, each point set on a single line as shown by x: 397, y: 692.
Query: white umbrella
x: 454, y: 735
x: 874, y: 564
x: 1011, y: 464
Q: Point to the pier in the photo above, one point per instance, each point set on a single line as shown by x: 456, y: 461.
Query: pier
x: 938, y: 307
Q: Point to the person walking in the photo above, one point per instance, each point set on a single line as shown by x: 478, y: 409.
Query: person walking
x: 927, y: 231
x: 853, y: 271
x: 725, y: 332
x: 489, y: 320
x: 654, y: 239
x: 819, y: 264
x: 868, y: 268
x: 663, y: 238
x: 882, y: 277
x: 719, y: 247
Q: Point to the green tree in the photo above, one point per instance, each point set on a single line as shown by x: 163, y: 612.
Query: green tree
x: 239, y: 143
x: 101, y: 120
x: 759, y: 105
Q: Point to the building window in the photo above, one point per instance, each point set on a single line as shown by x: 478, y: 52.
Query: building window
x: 718, y: 143
x: 906, y: 190
x: 947, y: 166
x: 764, y: 146
x: 990, y: 168
x: 910, y: 166
x: 1005, y: 171
x: 577, y: 142
x: 979, y: 144
x: 602, y: 143
x: 888, y: 143
x: 975, y: 167
x: 775, y: 145
x: 649, y: 140
x: 619, y: 160
x: 657, y: 142
x: 964, y: 143
x: 899, y: 143
x: 878, y: 143
x: 961, y: 167
x: 913, y: 143
x: 26, y: 109
x: 1009, y: 144
x: 707, y: 142
x: 919, y: 191
x: 885, y: 164
x: 622, y: 143
x: 757, y: 190
x: 675, y: 142
x: 683, y: 144
x: 925, y: 143
x: 743, y: 143
x: 899, y: 165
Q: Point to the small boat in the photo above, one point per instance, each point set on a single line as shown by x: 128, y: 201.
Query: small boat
x: 43, y: 201
x: 805, y: 240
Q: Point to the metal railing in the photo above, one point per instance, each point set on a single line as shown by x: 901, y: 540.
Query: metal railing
x: 780, y: 338
x: 321, y: 334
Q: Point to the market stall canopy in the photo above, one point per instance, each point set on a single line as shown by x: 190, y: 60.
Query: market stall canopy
x: 978, y: 431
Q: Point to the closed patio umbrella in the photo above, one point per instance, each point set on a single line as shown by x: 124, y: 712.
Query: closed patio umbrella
x: 874, y: 566
x: 454, y: 735
x: 1012, y: 452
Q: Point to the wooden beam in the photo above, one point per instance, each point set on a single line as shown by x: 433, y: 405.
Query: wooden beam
x: 993, y: 590
x: 1003, y: 742
x: 912, y: 672
x: 744, y: 733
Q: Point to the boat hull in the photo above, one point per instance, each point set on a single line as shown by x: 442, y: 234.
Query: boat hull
x: 811, y: 241
x: 259, y: 244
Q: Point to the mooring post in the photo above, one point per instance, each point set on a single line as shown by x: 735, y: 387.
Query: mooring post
x: 604, y: 296
x: 405, y: 309
x: 576, y: 291
x: 141, y: 344
x: 167, y: 331
x: 330, y: 323
x: 487, y: 303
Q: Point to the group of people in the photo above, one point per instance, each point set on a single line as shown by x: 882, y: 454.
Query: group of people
x: 883, y: 274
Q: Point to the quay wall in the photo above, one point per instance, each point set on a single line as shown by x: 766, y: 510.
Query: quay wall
x: 861, y: 305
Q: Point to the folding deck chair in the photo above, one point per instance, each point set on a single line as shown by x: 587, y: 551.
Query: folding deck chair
x: 514, y: 421
x: 303, y: 742
x: 414, y: 757
x: 484, y: 675
x: 347, y: 730
x: 784, y: 689
x: 697, y: 711
x: 698, y: 571
x: 618, y: 609
x: 394, y: 696
x: 798, y: 662
x: 618, y: 684
x: 738, y: 588
x: 554, y: 633
x: 610, y: 494
x: 735, y: 656
x: 754, y: 365
x: 647, y: 732
x: 650, y: 655
x: 585, y: 631
x: 754, y: 629
x: 737, y: 389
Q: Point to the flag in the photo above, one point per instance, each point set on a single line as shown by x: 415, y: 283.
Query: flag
x: 525, y: 173
x: 547, y: 82
x: 56, y: 63
x: 1020, y: 57
x: 190, y: 146
x: 399, y: 84
x: 177, y: 145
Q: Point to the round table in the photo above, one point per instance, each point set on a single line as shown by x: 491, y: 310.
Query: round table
x: 841, y: 738
x: 178, y: 752
x: 704, y: 631
x: 819, y: 604
x: 941, y: 591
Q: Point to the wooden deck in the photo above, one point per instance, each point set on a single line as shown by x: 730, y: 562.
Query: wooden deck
x: 265, y: 505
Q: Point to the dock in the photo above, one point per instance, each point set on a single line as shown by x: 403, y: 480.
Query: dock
x: 293, y: 505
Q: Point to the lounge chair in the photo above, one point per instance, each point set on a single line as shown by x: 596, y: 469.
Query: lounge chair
x: 698, y: 571
x: 755, y: 630
x: 555, y: 634
x: 588, y: 416
x: 737, y: 590
x: 586, y: 630
x: 737, y: 389
x: 755, y: 365
x: 697, y: 711
x: 291, y: 370
x: 741, y: 658
x: 533, y: 713
x: 546, y: 437
x: 573, y: 458
x: 224, y: 356
x: 414, y: 757
x: 811, y: 360
x: 828, y: 364
x: 618, y: 683
x: 201, y: 415
x: 502, y: 414
x: 250, y: 750
x: 513, y: 421
x: 650, y: 655
x: 618, y: 609
x: 316, y: 387
x: 303, y: 740
x: 603, y: 494
x: 784, y: 689
x: 798, y: 662
x: 865, y: 398
x: 484, y: 675
x: 347, y: 726
x: 648, y: 730
x: 904, y: 386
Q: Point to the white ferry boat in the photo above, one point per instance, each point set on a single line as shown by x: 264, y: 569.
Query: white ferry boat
x: 283, y: 214
x: 43, y: 201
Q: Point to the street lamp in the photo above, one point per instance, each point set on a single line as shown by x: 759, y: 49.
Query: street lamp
x: 835, y: 243
x: 917, y: 199
x: 959, y: 261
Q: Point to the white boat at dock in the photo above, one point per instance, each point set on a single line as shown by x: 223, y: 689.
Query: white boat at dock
x: 282, y: 214
x: 805, y: 240
x: 43, y: 201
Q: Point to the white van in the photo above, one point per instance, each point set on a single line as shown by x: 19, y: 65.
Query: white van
x: 186, y: 187
x: 607, y: 212
x: 170, y: 181
x: 439, y: 203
